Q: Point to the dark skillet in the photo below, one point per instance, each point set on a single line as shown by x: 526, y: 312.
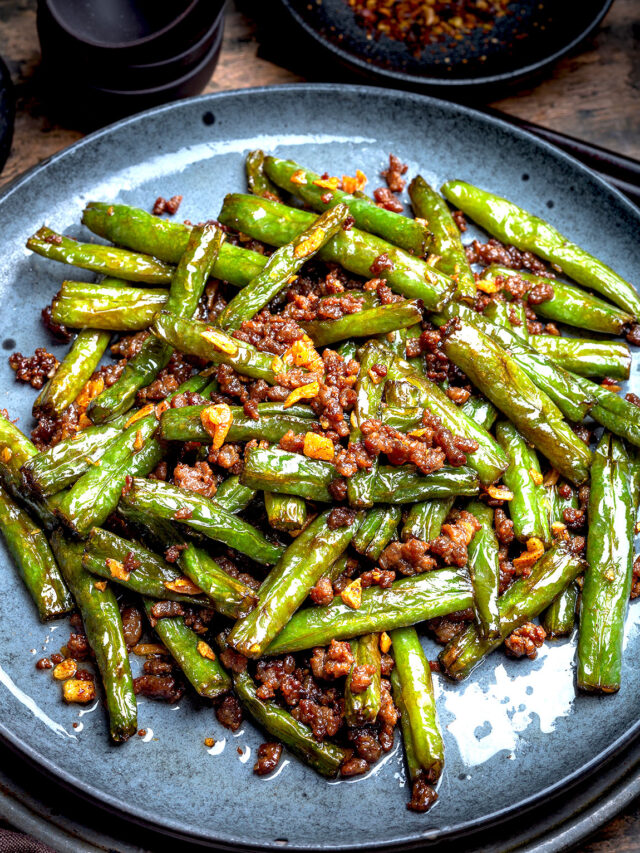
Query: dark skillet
x: 523, y: 44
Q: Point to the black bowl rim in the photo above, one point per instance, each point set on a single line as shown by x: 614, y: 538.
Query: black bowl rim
x: 125, y: 45
x: 374, y: 70
x: 179, y: 81
x: 107, y: 801
x: 209, y: 34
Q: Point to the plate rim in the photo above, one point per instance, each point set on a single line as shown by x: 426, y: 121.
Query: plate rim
x: 228, y: 841
x: 449, y: 85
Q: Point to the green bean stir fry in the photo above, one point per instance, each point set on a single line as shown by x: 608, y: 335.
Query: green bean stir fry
x: 331, y: 429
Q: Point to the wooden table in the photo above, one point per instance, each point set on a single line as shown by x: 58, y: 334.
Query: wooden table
x: 594, y: 95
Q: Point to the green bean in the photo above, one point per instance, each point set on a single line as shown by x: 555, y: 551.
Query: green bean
x: 233, y: 496
x: 194, y: 657
x: 480, y: 410
x: 139, y: 230
x: 325, y: 757
x: 257, y: 180
x: 397, y: 229
x: 185, y: 424
x: 289, y: 582
x: 489, y: 460
x: 104, y: 549
x: 285, y: 512
x: 402, y: 418
x: 103, y: 627
x: 510, y: 389
x: 111, y: 304
x: 376, y: 531
x: 30, y: 550
x: 503, y: 314
x: 369, y: 389
x: 608, y: 578
x: 187, y: 286
x: 414, y: 683
x: 527, y: 509
x: 569, y: 304
x: 586, y: 358
x: 361, y: 707
x: 108, y: 260
x: 560, y: 616
x: 202, y: 514
x: 523, y: 601
x: 400, y: 394
x: 194, y: 337
x: 72, y: 373
x: 484, y: 569
x: 425, y: 519
x: 280, y: 267
x: 230, y: 596
x: 356, y: 250
x: 275, y: 470
x: 405, y: 602
x: 445, y: 243
x: 513, y: 225
x: 371, y: 321
x: 58, y: 467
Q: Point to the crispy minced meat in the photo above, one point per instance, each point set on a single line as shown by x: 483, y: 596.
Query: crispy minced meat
x: 423, y: 795
x: 166, y: 610
x: 333, y: 662
x: 34, y: 369
x: 177, y: 371
x: 377, y: 577
x: 428, y: 451
x: 131, y: 623
x: 233, y: 660
x: 229, y: 457
x: 438, y: 367
x: 503, y: 527
x: 129, y: 346
x: 361, y: 677
x: 445, y: 628
x: 459, y: 219
x: 268, y: 332
x: 407, y: 558
x: 508, y: 572
x: 304, y: 308
x: 635, y: 584
x: 164, y: 205
x: 341, y: 517
x: 229, y: 713
x: 495, y: 252
x: 198, y: 478
x: 383, y: 291
x: 525, y: 640
x: 351, y: 459
x: 322, y: 592
x: 387, y: 200
x: 233, y: 571
x: 451, y: 545
x: 393, y: 174
x: 164, y: 688
x: 268, y: 758
x: 380, y: 264
x: 58, y: 330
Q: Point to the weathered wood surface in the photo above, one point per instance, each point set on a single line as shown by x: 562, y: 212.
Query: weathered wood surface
x: 594, y: 95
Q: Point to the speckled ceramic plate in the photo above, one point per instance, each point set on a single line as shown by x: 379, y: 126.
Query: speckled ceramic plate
x: 516, y: 733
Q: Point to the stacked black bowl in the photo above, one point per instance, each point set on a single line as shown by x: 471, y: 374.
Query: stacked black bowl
x: 107, y: 58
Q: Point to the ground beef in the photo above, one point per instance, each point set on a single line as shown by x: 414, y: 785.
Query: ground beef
x: 525, y: 640
x: 268, y: 332
x: 58, y: 330
x: 333, y: 662
x: 44, y: 663
x: 376, y: 577
x: 423, y: 795
x: 163, y: 205
x: 393, y: 175
x: 129, y: 346
x: 445, y: 628
x: 540, y: 293
x: 408, y: 558
x: 632, y: 334
x: 458, y: 395
x: 233, y: 571
x: 304, y: 308
x: 385, y: 199
x: 188, y: 398
x: 198, y: 478
x: 198, y: 618
x: 380, y: 264
x: 348, y: 461
x: 131, y: 623
x: 166, y: 610
x: 78, y: 647
x: 451, y: 544
x: 354, y: 767
x: 228, y: 457
x: 157, y: 666
x: 338, y: 489
x: 177, y: 371
x: 635, y: 585
x: 575, y: 519
x: 632, y: 398
x: 34, y: 369
x: 361, y: 678
x: 322, y: 592
x: 459, y: 219
x: 165, y: 688
x: 229, y: 713
x: 503, y: 526
x: 495, y: 252
x: 233, y: 660
x: 268, y: 758
x: 340, y: 517
x: 172, y: 553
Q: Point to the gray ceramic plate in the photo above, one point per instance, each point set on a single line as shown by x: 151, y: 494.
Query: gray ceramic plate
x: 516, y: 732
